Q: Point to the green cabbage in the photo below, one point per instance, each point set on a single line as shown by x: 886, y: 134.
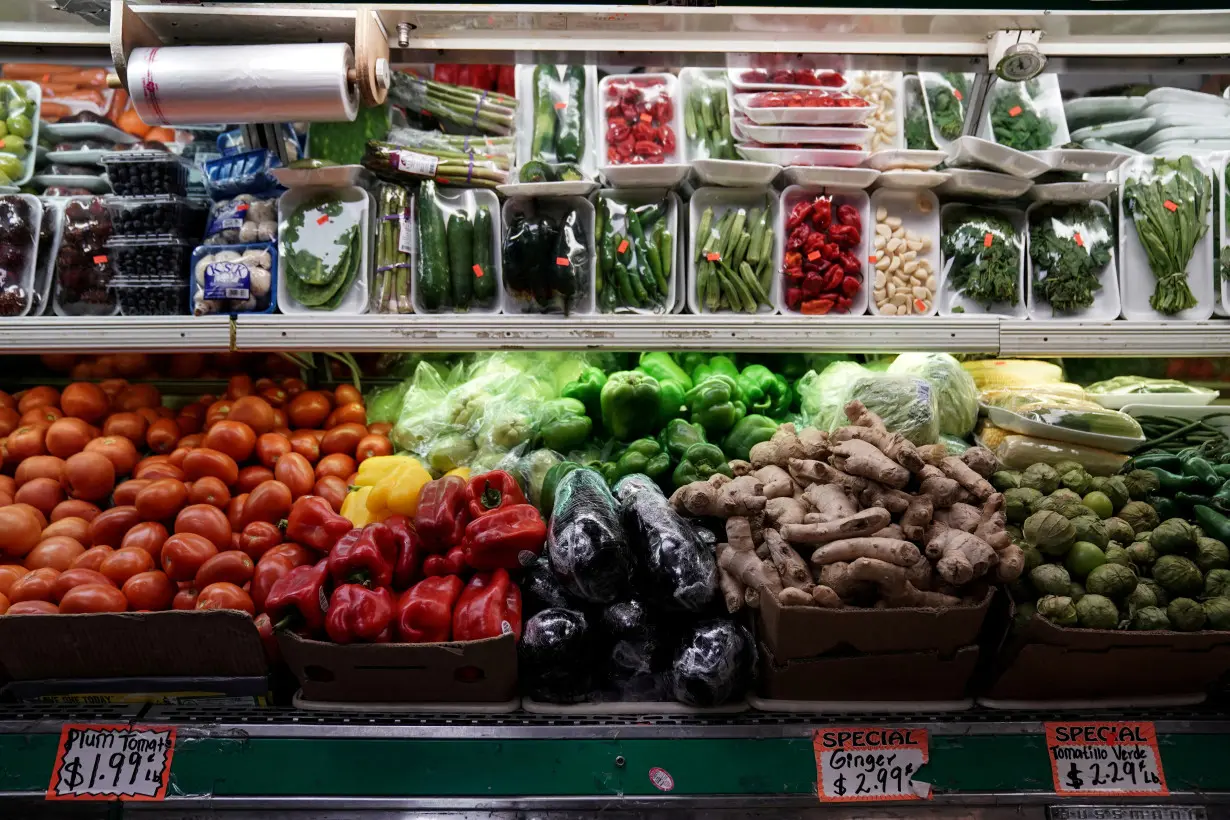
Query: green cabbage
x: 906, y: 404
x: 952, y: 385
x: 823, y: 395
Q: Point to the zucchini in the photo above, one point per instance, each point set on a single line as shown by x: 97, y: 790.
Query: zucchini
x: 542, y: 143
x: 484, y: 268
x: 433, y: 276
x: 461, y: 260
x: 536, y: 171
x: 570, y: 128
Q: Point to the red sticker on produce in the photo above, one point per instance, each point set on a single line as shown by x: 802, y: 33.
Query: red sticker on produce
x: 100, y: 260
x: 560, y: 105
x: 1171, y: 206
x: 1014, y: 111
x: 562, y: 261
x: 1077, y: 238
x: 873, y: 259
x: 646, y: 118
x: 478, y: 271
x: 920, y: 306
x: 813, y: 256
x: 322, y: 219
x: 713, y: 257
x: 986, y: 240
x: 241, y: 207
x: 956, y: 93
x: 623, y: 246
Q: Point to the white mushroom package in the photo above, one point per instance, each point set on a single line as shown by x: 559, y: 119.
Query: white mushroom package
x: 242, y: 220
x: 232, y: 279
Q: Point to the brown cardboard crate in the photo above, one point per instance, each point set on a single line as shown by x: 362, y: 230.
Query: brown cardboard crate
x: 891, y: 676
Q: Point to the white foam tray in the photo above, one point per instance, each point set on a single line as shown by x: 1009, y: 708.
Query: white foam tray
x: 722, y: 200
x: 735, y: 173
x: 817, y: 176
x: 841, y: 196
x: 524, y: 86
x: 1008, y: 420
x: 513, y: 305
x: 645, y: 196
x: 1106, y: 304
x: 355, y: 301
x: 972, y: 182
x: 833, y: 115
x: 673, y: 169
x: 463, y: 199
x: 949, y: 298
x: 906, y: 205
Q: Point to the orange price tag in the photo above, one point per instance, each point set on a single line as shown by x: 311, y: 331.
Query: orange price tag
x: 713, y: 257
x: 322, y: 219
x: 106, y: 761
x: 562, y: 261
x: 1078, y: 240
x: 957, y: 93
x: 623, y: 246
x: 813, y: 256
x: 859, y: 765
x: 873, y: 259
x: 1014, y: 111
x: 1170, y: 206
x: 560, y: 105
x: 920, y: 306
x: 986, y: 239
x: 1118, y: 758
x: 478, y: 271
x: 646, y: 118
x: 100, y: 259
x: 241, y: 207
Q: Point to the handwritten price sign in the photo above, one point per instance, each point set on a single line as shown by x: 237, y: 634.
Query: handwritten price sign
x: 857, y: 765
x: 1115, y: 758
x: 104, y: 762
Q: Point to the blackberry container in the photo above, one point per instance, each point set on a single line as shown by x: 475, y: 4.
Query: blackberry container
x: 146, y: 173
x: 150, y: 276
x: 162, y: 216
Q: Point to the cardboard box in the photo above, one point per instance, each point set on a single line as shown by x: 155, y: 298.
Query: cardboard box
x: 804, y: 632
x: 1048, y: 662
x: 892, y: 676
x: 186, y: 644
x: 462, y: 672
x: 158, y: 691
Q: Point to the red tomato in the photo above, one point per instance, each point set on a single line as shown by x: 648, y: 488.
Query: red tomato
x: 332, y: 489
x: 184, y: 553
x: 258, y: 538
x: 149, y: 536
x: 75, y: 509
x: 234, y: 438
x: 8, y: 486
x: 126, y: 492
x: 57, y: 552
x: 37, y: 585
x: 149, y: 591
x: 177, y: 456
x: 185, y: 598
x: 9, y: 420
x: 347, y: 394
x: 37, y: 397
x: 252, y: 477
x: 40, y: 417
x: 129, y: 425
x: 268, y: 502
x: 77, y: 577
x: 297, y: 554
x: 84, y: 401
x: 156, y: 470
x: 234, y: 511
x: 67, y: 436
x: 270, y: 447
x: 239, y: 386
x: 204, y: 461
x: 38, y: 514
x: 206, y: 521
x: 20, y: 531
x: 209, y: 490
x: 76, y: 528
x: 111, y: 526
x: 296, y: 473
x: 216, y: 412
x: 309, y: 409
x: 89, y: 476
x: 338, y: 464
x: 254, y: 412
x: 122, y: 564
x: 33, y: 608
x: 275, y: 396
x: 352, y: 413
x: 161, y: 500
x: 92, y: 558
x: 293, y: 387
x: 223, y: 595
x: 118, y: 450
x: 232, y: 565
x: 93, y: 598
x: 380, y: 428
x: 10, y: 573
x: 190, y: 442
x: 136, y: 396
x: 372, y: 445
x: 306, y: 444
x: 26, y: 441
x: 37, y: 467
x: 162, y: 436
x: 41, y: 493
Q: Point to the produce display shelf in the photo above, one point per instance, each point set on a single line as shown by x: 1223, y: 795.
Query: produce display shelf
x: 115, y: 334
x: 1021, y: 338
x: 276, y: 758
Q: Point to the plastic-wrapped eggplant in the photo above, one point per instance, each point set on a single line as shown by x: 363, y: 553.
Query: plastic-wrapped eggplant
x: 675, y: 568
x: 556, y: 656
x: 634, y: 646
x: 714, y: 665
x: 540, y: 589
x: 585, y: 543
x: 571, y: 259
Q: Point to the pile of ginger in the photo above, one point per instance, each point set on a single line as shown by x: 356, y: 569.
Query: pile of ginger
x: 886, y: 523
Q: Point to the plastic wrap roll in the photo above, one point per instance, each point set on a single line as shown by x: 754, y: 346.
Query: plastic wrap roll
x: 204, y: 85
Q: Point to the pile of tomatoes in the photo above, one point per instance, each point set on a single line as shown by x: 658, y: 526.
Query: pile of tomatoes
x: 112, y: 502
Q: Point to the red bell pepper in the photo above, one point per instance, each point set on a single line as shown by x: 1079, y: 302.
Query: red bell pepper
x: 410, y: 552
x: 490, y: 606
x: 364, y: 556
x: 451, y: 563
x: 297, y: 600
x: 313, y: 523
x: 506, y: 539
x: 358, y: 614
x: 492, y: 491
x: 267, y: 573
x: 442, y: 514
x: 425, y: 611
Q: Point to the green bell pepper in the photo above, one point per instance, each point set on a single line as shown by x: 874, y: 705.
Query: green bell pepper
x: 678, y: 435
x: 643, y: 456
x: 747, y: 432
x: 587, y: 389
x: 765, y: 391
x: 715, y: 404
x: 700, y: 461
x: 715, y: 366
x: 671, y: 379
x: 563, y: 424
x: 556, y: 474
x: 690, y: 361
x: 630, y: 403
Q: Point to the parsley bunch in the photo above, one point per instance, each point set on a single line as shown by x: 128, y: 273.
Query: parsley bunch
x: 986, y: 255
x: 1069, y: 246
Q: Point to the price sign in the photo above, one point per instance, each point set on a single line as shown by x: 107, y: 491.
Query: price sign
x: 1115, y: 758
x: 105, y: 761
x: 857, y: 765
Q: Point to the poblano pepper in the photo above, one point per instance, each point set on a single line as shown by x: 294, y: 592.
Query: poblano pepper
x: 715, y: 404
x: 630, y: 402
x: 765, y: 391
x: 747, y: 432
x: 644, y: 456
x: 700, y: 461
x: 564, y: 425
x: 587, y: 389
x: 674, y: 383
x: 678, y: 435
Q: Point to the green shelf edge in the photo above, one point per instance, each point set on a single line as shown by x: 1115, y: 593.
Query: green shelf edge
x: 562, y: 767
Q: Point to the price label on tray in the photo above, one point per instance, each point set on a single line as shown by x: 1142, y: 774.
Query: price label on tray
x: 856, y: 765
x: 1102, y: 758
x: 109, y: 761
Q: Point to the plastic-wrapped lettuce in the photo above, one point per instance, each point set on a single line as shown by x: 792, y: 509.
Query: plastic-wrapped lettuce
x: 907, y: 404
x: 823, y: 394
x: 954, y: 389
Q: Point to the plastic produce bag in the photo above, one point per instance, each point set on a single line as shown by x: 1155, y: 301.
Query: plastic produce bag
x: 823, y: 394
x: 675, y: 569
x: 906, y: 404
x: 715, y: 664
x: 1069, y: 247
x: 991, y: 373
x: 955, y: 393
x: 982, y: 255
x: 556, y: 656
x: 585, y: 542
x: 459, y: 143
x: 1067, y: 412
x: 558, y: 94
x: 1026, y: 116
x: 1017, y: 452
x: 945, y: 101
x: 917, y: 127
x: 706, y: 117
x: 391, y: 292
x: 1143, y: 386
x: 634, y: 645
x: 540, y: 589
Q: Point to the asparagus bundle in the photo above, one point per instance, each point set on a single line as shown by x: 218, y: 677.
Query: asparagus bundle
x: 734, y: 260
x: 392, y: 291
x: 487, y: 111
x: 419, y: 139
x: 409, y: 165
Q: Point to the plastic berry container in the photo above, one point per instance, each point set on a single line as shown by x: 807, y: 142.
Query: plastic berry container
x: 170, y: 216
x: 153, y: 299
x: 146, y: 173
x: 82, y: 267
x: 138, y: 261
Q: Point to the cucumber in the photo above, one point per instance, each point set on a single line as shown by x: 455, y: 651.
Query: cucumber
x: 433, y: 279
x: 461, y: 260
x: 542, y: 143
x: 536, y: 171
x: 484, y: 285
x: 569, y: 172
x: 570, y: 130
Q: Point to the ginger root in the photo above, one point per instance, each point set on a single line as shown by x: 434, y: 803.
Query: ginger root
x: 720, y: 496
x: 895, y: 586
x: 860, y: 458
x: 974, y: 484
x: 819, y: 472
x: 793, y: 596
x: 830, y: 501
x: 854, y: 526
x: 902, y: 553
x: 877, y: 495
x: 815, y: 443
x: 739, y: 468
x: 1011, y: 564
x: 943, y: 490
x: 739, y: 534
x: 777, y: 482
x: 789, y: 564
x: 981, y: 460
x: 732, y: 588
x: 917, y: 516
x: 752, y: 572
x: 779, y: 450
x: 993, y: 523
x: 780, y: 511
x: 960, y: 556
x: 891, y: 531
x: 960, y: 516
x: 868, y: 427
x: 933, y: 454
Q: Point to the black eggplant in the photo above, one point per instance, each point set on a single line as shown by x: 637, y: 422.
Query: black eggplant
x: 585, y: 543
x: 714, y: 665
x: 540, y: 589
x: 633, y: 645
x: 571, y: 259
x: 675, y: 568
x: 556, y: 656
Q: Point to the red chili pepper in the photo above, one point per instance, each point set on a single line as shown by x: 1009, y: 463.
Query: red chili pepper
x: 797, y: 238
x: 410, y: 551
x: 298, y: 600
x: 625, y: 147
x: 798, y: 214
x: 509, y: 538
x: 850, y: 286
x: 451, y: 563
x: 492, y: 491
x: 490, y: 606
x: 844, y: 303
x: 794, y: 298
x: 313, y: 523
x: 666, y: 135
x: 358, y: 614
x: 818, y: 307
x: 617, y: 131
x: 848, y: 215
x: 849, y: 263
x: 425, y: 611
x: 442, y: 514
x: 647, y: 149
x: 813, y: 286
x: 364, y: 556
x: 793, y: 259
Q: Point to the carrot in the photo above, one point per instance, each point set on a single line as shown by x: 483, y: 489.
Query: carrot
x: 119, y: 101
x: 89, y: 95
x: 86, y: 77
x: 52, y: 111
x: 163, y: 135
x: 34, y: 71
x: 131, y: 122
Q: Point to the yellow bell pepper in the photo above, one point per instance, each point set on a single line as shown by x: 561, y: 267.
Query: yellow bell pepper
x: 374, y: 469
x: 461, y: 472
x: 403, y: 497
x: 354, y: 507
